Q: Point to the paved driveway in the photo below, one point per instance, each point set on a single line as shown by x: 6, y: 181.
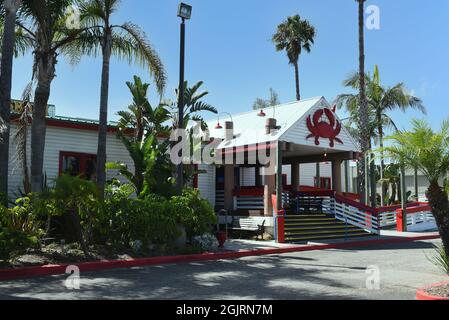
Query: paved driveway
x: 329, y: 274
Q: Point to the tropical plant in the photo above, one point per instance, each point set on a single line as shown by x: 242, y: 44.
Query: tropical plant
x: 440, y: 259
x: 193, y: 105
x: 199, y: 214
x: 428, y: 151
x: 140, y: 130
x: 266, y: 103
x: 8, y: 34
x: 294, y: 35
x: 153, y: 220
x: 20, y: 228
x: 380, y: 100
x: 391, y: 180
x: 126, y: 41
x: 76, y: 199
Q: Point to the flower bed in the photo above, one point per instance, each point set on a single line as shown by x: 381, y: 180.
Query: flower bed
x: 438, y: 291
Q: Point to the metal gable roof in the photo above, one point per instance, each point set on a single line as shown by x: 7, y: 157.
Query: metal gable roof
x: 249, y: 129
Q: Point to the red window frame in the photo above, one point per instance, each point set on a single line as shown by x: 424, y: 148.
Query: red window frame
x: 83, y: 159
x: 323, y: 182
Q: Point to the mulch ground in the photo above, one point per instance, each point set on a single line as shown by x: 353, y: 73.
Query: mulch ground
x: 72, y: 254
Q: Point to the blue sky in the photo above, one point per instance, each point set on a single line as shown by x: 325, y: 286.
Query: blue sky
x: 229, y: 48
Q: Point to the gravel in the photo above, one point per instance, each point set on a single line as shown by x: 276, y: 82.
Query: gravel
x: 440, y: 291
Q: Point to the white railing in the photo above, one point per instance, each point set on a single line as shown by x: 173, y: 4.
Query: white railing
x: 387, y: 219
x: 420, y: 221
x: 356, y: 215
x: 219, y: 198
x: 285, y: 199
x: 306, y: 202
x: 248, y: 202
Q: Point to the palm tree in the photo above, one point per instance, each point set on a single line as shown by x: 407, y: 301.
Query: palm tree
x: 193, y: 105
x: 126, y: 41
x: 264, y: 104
x: 380, y: 100
x: 147, y: 124
x: 42, y: 24
x: 364, y: 134
x: 21, y: 137
x: 293, y: 36
x: 427, y: 150
x: 10, y: 8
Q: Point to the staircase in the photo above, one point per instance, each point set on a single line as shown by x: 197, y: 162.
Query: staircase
x: 307, y: 227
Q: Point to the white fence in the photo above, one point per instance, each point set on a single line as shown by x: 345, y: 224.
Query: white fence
x: 357, y: 216
x: 387, y: 219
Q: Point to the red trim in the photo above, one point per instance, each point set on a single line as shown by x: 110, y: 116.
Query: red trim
x: 249, y: 191
x: 195, y: 177
x: 77, y: 125
x: 83, y: 157
x: 422, y: 295
x: 417, y: 209
x: 47, y: 270
x: 355, y: 204
x: 68, y: 124
x: 254, y: 147
x: 398, y: 206
x: 401, y: 221
x: 316, y: 193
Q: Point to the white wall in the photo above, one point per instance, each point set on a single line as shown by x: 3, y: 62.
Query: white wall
x: 307, y: 174
x: 206, y: 182
x: 65, y: 139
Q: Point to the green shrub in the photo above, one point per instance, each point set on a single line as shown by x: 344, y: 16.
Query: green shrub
x: 153, y: 219
x: 123, y: 220
x: 194, y: 213
x: 15, y: 242
x: 19, y: 229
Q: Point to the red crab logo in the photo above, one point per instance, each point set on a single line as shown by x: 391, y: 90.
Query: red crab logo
x: 324, y: 129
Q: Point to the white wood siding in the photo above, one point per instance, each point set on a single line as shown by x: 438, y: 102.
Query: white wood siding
x: 299, y: 132
x: 307, y: 172
x: 248, y: 177
x: 206, y: 183
x: 70, y: 140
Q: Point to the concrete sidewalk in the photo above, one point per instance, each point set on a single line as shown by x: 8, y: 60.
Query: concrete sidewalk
x: 400, y: 269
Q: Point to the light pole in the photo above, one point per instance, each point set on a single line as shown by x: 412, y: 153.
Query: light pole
x: 184, y: 12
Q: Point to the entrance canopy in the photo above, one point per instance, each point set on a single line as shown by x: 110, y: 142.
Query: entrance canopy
x: 308, y: 129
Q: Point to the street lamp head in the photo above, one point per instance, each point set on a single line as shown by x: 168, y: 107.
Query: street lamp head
x: 184, y: 11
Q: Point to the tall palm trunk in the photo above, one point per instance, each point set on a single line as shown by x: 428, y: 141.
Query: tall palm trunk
x: 363, y: 125
x: 45, y: 63
x: 103, y: 125
x: 298, y: 93
x: 11, y: 7
x: 438, y: 200
x: 380, y: 129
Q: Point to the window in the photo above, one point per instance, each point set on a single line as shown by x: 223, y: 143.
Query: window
x: 324, y: 183
x: 78, y: 164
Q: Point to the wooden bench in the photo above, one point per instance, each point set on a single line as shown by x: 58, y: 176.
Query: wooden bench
x: 252, y: 225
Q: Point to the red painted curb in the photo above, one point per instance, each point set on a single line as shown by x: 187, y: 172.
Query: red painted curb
x: 47, y: 270
x: 422, y: 295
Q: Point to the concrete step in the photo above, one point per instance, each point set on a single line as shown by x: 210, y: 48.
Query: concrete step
x: 293, y: 239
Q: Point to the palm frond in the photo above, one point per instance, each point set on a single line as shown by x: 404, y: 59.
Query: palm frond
x: 131, y: 43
